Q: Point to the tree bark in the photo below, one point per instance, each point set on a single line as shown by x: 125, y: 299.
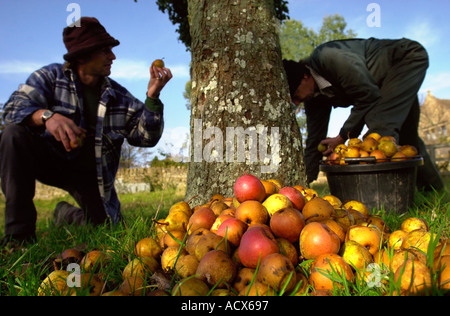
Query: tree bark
x: 241, y: 117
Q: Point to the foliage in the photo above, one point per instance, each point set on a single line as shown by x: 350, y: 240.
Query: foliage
x: 178, y: 15
x: 165, y: 163
x: 298, y: 41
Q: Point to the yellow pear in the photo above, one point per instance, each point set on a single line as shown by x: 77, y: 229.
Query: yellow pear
x: 276, y: 202
x: 177, y: 220
x: 389, y: 148
x: 148, y: 247
x: 375, y: 136
x: 354, y: 142
x: 369, y: 144
x: 358, y: 206
x: 414, y: 223
x: 190, y: 286
x: 355, y: 254
x: 140, y: 267
x: 417, y: 239
x: 396, y: 239
x: 181, y: 206
x: 54, y: 284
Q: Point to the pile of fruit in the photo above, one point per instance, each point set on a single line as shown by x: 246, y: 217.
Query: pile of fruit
x: 382, y: 148
x: 268, y: 240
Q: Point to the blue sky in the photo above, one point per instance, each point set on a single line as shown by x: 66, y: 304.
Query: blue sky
x: 31, y: 37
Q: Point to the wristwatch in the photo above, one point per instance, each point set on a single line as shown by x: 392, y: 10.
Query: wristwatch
x: 46, y: 115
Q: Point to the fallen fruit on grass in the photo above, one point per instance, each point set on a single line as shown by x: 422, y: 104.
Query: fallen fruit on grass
x: 216, y: 269
x: 278, y: 272
x: 170, y: 256
x: 317, y: 209
x: 232, y: 229
x: 396, y: 238
x: 368, y: 237
x: 295, y: 196
x: 93, y: 260
x: 317, y: 239
x: 355, y: 254
x: 325, y: 267
x: 251, y: 212
x: 414, y: 223
x: 270, y: 187
x: 88, y: 282
x: 256, y: 244
x: 202, y: 218
x: 141, y: 267
x: 148, y: 247
x: 210, y: 242
x: 190, y: 286
x: 249, y: 187
x: 358, y: 206
x: 276, y: 202
x: 417, y: 239
x: 287, y: 223
x: 186, y: 266
x: 287, y: 249
x: 414, y: 277
x: 243, y: 278
x: 54, y: 284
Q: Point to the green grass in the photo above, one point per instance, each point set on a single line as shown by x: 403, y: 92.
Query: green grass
x: 22, y: 271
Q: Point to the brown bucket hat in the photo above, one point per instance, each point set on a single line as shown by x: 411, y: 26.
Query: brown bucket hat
x: 87, y: 37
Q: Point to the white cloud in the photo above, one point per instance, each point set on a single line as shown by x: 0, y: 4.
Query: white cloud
x: 437, y: 84
x: 138, y: 69
x: 172, y: 140
x: 18, y: 67
x: 423, y: 32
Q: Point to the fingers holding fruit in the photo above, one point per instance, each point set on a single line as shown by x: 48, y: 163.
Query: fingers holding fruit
x: 159, y: 76
x: 66, y: 131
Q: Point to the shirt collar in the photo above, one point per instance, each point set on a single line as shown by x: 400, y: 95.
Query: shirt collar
x: 322, y: 83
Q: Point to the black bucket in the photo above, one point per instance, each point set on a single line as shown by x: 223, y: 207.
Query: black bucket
x: 388, y: 185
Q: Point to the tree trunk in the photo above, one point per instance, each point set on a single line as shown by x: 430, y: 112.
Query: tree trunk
x: 241, y: 117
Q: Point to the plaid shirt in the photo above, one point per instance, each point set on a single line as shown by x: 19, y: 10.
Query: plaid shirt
x: 120, y: 116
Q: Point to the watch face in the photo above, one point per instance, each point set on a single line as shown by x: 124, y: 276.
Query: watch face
x: 46, y: 115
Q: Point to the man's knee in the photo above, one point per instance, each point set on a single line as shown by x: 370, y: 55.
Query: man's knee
x: 14, y: 132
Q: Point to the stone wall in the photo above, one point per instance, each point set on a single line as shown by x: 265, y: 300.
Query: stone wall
x: 132, y: 181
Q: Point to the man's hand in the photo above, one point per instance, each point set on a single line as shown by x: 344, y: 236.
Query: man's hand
x: 158, y: 79
x: 64, y: 130
x: 331, y: 143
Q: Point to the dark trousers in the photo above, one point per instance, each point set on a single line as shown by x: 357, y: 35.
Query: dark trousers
x: 25, y: 158
x: 398, y: 112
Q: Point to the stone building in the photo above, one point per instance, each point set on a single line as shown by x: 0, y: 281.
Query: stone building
x: 434, y: 128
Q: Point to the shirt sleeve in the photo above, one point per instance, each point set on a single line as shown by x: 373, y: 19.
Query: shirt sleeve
x: 30, y: 97
x: 154, y: 105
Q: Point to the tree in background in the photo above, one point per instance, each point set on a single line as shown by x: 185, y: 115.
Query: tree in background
x: 298, y: 42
